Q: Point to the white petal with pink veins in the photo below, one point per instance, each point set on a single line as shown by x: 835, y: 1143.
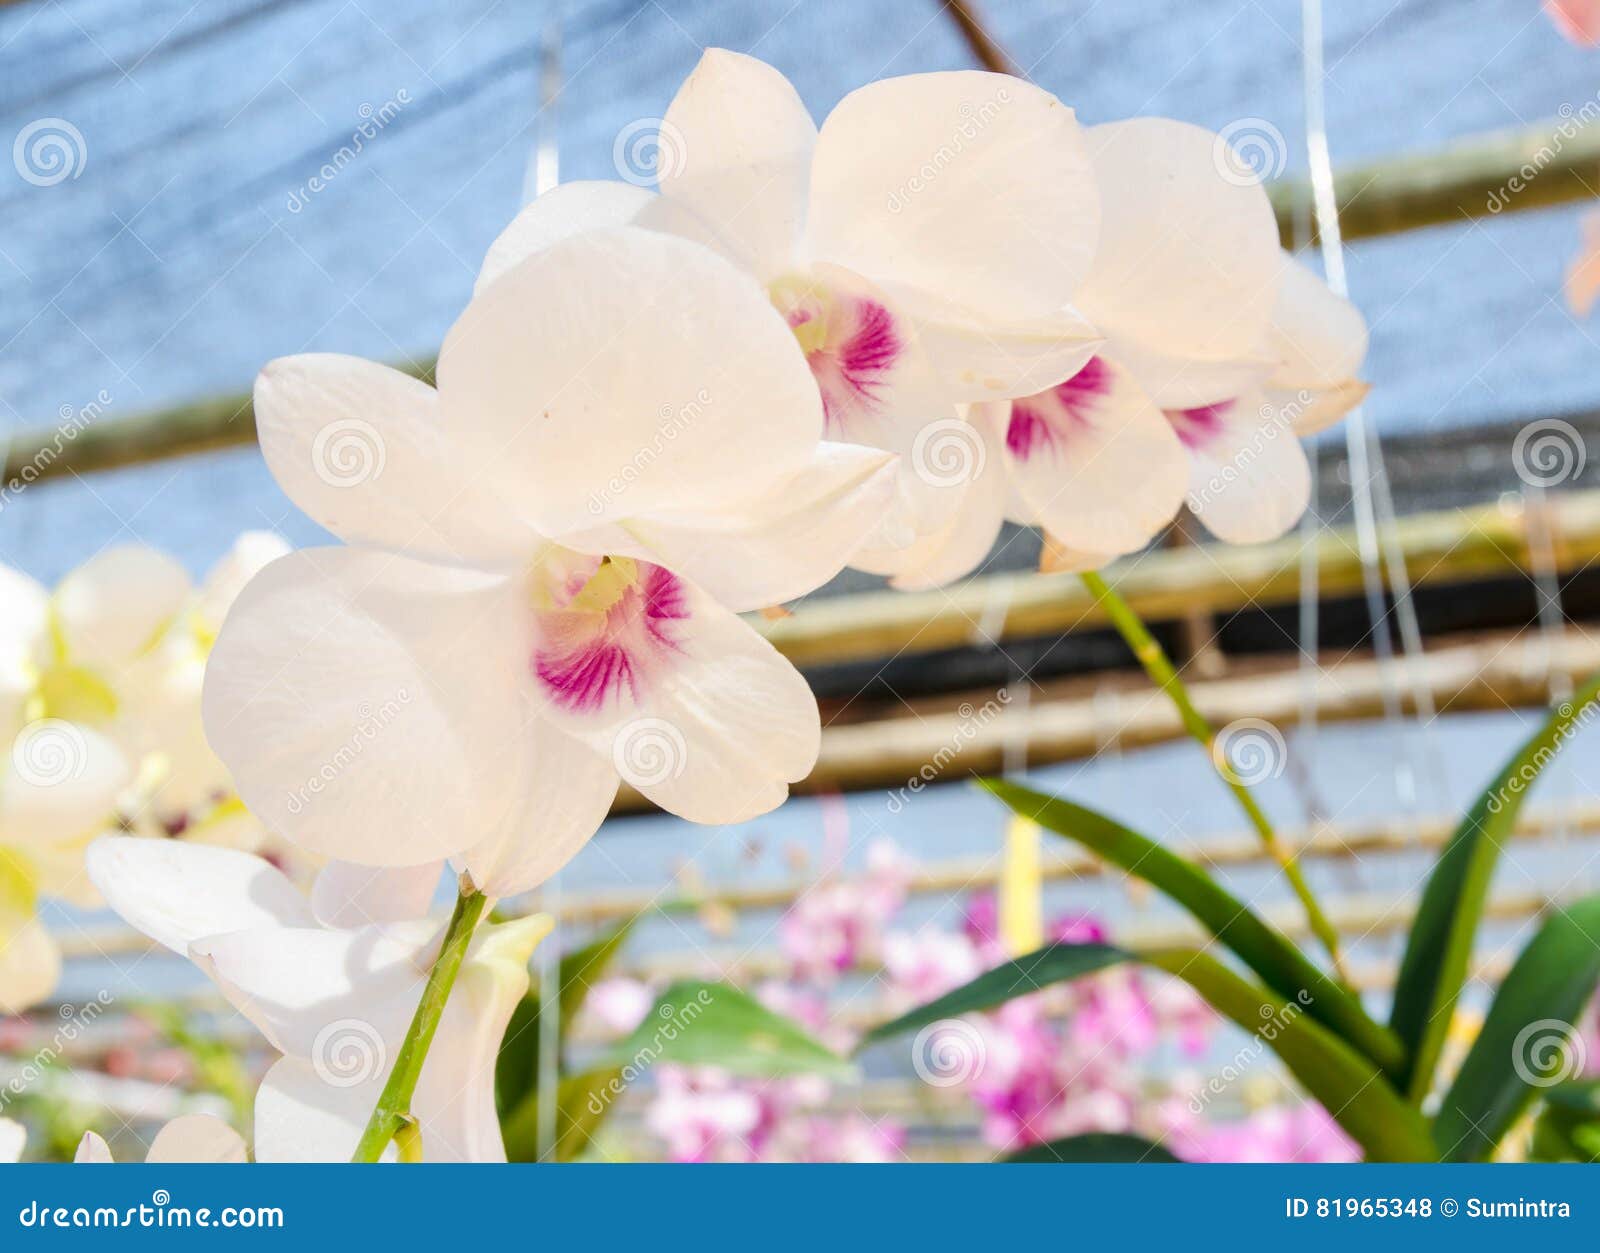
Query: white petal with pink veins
x: 1249, y: 478
x: 627, y: 356
x: 735, y: 148
x: 1096, y: 461
x: 1189, y: 258
x: 907, y: 188
x: 371, y: 707
x: 730, y: 726
x: 365, y: 451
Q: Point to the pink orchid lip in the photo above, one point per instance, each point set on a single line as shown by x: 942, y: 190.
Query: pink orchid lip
x: 1197, y: 427
x: 851, y: 342
x: 1039, y: 423
x: 609, y: 635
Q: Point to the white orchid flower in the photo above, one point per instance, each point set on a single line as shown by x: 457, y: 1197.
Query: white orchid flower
x: 187, y: 1138
x: 332, y: 982
x: 925, y: 245
x: 455, y: 682
x: 59, y: 787
x: 1210, y: 372
x: 120, y: 646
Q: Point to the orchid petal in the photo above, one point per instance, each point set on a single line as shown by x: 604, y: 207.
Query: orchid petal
x: 732, y: 726
x: 566, y: 209
x: 1319, y: 337
x: 570, y: 791
x: 177, y: 892
x: 13, y: 1139
x: 301, y: 1117
x: 1188, y: 264
x: 789, y: 541
x: 368, y: 705
x: 735, y: 148
x: 620, y: 372
x: 1096, y: 461
x: 346, y: 895
x: 58, y: 782
x: 965, y: 536
x: 364, y: 450
x: 1311, y: 410
x: 114, y: 607
x: 196, y: 1138
x: 30, y: 966
x: 1249, y: 478
x: 93, y: 1150
x: 454, y: 1103
x: 904, y: 190
x: 340, y: 999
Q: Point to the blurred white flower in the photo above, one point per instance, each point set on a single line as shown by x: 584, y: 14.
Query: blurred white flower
x: 187, y: 1138
x: 59, y: 787
x: 332, y: 982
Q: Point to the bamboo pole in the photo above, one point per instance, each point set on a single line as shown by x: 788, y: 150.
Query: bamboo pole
x: 1548, y: 163
x: 1447, y: 546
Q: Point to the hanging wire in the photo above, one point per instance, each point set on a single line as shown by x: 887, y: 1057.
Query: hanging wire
x: 543, y: 173
x: 1371, y: 500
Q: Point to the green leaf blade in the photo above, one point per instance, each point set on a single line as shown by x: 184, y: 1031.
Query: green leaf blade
x: 1439, y: 946
x: 1526, y: 1035
x: 1264, y: 949
x: 1095, y: 1146
x: 697, y: 1023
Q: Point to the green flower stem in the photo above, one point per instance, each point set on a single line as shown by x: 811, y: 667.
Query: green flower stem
x: 1163, y: 675
x: 391, y: 1117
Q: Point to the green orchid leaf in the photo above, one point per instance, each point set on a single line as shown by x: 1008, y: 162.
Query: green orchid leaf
x: 1264, y: 949
x: 695, y: 1023
x: 1097, y: 1146
x: 1529, y: 1041
x: 1439, y: 947
x: 1349, y: 1084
